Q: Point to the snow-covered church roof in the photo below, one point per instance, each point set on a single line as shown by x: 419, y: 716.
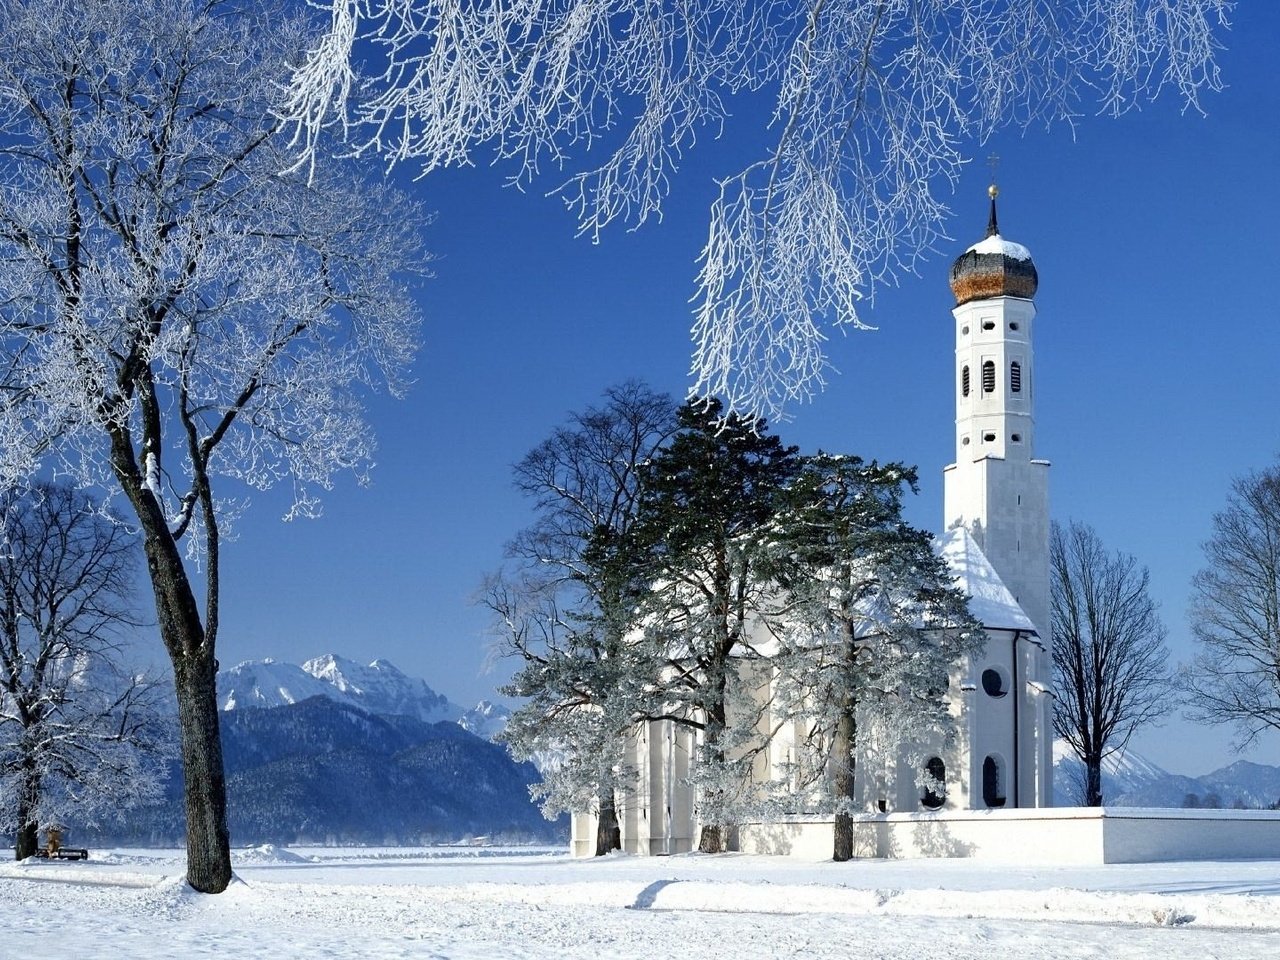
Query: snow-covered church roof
x: 989, y: 599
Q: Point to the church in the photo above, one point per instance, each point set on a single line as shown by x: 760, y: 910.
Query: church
x: 996, y: 541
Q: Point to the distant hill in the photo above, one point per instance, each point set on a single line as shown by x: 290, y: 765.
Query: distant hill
x: 1130, y: 780
x: 324, y: 771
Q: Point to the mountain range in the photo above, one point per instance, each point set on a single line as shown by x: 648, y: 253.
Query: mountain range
x: 335, y: 752
x: 1130, y: 780
x: 378, y: 687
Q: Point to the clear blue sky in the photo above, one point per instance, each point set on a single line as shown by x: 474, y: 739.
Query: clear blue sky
x: 1157, y: 352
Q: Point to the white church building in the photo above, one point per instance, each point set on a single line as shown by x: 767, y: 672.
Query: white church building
x: 996, y: 767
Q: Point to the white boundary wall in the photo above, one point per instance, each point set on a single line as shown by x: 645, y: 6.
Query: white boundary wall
x: 1055, y: 835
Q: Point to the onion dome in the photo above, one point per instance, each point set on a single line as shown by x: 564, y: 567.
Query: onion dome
x: 994, y: 267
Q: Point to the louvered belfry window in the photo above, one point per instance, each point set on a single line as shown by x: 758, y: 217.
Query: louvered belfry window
x: 988, y: 376
x: 964, y: 380
x: 1015, y: 377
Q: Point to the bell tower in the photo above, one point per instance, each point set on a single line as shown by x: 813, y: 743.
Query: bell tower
x: 996, y: 488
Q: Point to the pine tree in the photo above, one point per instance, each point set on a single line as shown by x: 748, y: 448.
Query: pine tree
x: 707, y: 501
x: 870, y: 621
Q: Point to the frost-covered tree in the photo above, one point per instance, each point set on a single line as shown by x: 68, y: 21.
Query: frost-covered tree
x: 1235, y: 613
x: 1110, y: 664
x: 567, y: 609
x: 181, y: 320
x: 707, y: 501
x: 875, y: 105
x: 80, y: 738
x: 870, y: 625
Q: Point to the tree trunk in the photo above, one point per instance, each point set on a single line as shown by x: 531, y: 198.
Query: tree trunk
x: 842, y: 783
x: 28, y: 838
x: 1093, y: 782
x: 204, y: 784
x: 608, y: 832
x: 711, y: 839
x: 190, y: 644
x: 843, y: 743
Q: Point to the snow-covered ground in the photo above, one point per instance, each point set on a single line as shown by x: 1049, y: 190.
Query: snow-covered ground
x: 481, y: 902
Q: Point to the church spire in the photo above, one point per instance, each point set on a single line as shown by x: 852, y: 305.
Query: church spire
x: 993, y: 226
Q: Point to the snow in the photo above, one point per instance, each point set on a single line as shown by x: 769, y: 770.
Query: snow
x: 267, y: 683
x: 997, y: 244
x: 989, y: 599
x: 522, y: 904
x: 380, y: 688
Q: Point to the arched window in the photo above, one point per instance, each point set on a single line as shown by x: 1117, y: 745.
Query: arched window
x: 937, y: 770
x: 988, y: 376
x: 993, y: 682
x: 1015, y: 377
x: 992, y: 794
x: 964, y: 380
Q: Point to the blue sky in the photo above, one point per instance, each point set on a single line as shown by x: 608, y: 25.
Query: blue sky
x: 1158, y: 343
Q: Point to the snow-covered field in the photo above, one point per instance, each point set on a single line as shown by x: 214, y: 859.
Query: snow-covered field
x: 520, y: 903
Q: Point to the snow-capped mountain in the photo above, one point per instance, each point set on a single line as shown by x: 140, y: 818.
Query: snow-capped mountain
x: 267, y: 683
x: 379, y: 688
x: 486, y: 719
x: 382, y: 688
x: 1131, y: 780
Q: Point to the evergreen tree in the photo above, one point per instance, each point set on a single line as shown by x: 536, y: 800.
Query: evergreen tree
x: 870, y: 622
x: 706, y: 506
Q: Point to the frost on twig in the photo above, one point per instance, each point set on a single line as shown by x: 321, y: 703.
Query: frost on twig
x: 876, y: 104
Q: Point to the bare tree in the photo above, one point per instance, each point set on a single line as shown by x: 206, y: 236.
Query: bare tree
x: 567, y: 612
x: 77, y: 734
x: 1110, y: 664
x: 1235, y: 613
x: 175, y: 313
x: 874, y: 105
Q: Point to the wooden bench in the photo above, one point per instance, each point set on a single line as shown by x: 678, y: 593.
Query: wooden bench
x: 54, y: 850
x: 63, y: 853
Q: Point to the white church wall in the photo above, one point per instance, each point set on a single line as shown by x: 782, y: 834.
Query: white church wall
x: 1064, y: 836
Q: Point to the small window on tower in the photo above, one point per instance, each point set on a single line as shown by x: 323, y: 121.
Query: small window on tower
x: 1016, y: 438
x: 964, y: 331
x: 988, y: 376
x: 988, y: 438
x: 964, y: 380
x: 1013, y: 326
x: 1015, y: 377
x: 988, y: 324
x: 964, y: 442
